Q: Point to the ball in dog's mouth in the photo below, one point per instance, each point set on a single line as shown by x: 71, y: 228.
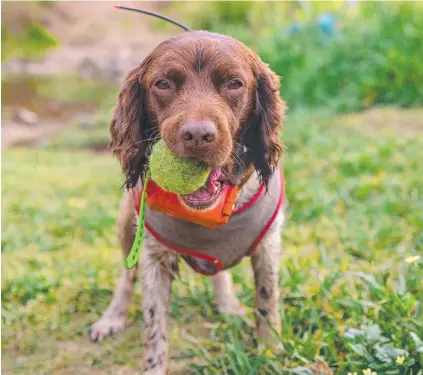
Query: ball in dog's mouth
x: 207, y: 195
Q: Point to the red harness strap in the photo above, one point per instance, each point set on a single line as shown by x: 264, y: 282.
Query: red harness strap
x: 272, y: 219
x: 208, y: 258
x: 193, y: 253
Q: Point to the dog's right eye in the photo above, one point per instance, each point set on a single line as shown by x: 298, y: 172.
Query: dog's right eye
x: 162, y: 84
x: 235, y: 84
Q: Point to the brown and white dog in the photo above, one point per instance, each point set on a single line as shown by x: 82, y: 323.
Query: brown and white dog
x: 210, y: 97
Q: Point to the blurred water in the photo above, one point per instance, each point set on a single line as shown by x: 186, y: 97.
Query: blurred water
x: 23, y: 91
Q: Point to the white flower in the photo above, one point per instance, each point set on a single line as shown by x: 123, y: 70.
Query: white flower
x: 412, y: 259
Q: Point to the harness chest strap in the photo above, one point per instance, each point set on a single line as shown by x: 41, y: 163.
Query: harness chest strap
x: 210, y: 258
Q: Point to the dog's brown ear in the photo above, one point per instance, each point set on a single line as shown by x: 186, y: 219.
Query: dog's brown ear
x: 129, y: 125
x: 262, y: 137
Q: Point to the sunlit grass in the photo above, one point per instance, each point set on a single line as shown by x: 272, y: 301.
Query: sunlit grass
x: 352, y: 242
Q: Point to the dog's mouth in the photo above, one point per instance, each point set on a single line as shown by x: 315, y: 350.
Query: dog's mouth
x: 208, y: 195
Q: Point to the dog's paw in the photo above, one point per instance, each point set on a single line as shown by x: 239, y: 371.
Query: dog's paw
x: 231, y: 306
x: 156, y: 371
x: 106, y: 326
x: 271, y: 345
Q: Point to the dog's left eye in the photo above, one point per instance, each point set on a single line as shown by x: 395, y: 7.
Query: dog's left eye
x: 162, y: 84
x: 235, y: 84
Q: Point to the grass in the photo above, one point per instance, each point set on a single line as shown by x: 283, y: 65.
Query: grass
x: 352, y: 270
x: 95, y: 137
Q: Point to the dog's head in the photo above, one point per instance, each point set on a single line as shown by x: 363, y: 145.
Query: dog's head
x: 207, y: 96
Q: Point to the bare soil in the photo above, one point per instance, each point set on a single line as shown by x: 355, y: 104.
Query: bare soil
x: 96, y: 41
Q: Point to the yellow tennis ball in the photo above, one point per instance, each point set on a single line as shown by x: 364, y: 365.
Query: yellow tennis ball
x: 175, y: 174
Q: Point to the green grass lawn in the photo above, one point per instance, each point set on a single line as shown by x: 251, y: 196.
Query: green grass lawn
x: 351, y: 276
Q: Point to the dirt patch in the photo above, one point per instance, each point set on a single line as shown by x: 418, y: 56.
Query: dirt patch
x: 13, y: 134
x: 25, y: 92
x: 108, y: 44
x: 99, y: 147
x: 97, y: 42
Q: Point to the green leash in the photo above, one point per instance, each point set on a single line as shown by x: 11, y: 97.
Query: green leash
x: 135, y: 252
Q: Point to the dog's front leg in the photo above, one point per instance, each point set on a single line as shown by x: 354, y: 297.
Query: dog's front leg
x: 226, y: 299
x: 114, y: 318
x: 158, y: 268
x: 266, y: 263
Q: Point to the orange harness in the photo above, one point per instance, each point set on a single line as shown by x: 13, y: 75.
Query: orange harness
x: 170, y: 205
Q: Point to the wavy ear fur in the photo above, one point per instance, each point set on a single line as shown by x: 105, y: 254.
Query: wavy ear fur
x: 130, y: 124
x: 262, y: 137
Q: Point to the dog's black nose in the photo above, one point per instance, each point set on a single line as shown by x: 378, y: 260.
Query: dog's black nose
x: 198, y: 134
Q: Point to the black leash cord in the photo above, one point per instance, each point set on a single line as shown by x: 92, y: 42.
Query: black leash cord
x: 186, y: 28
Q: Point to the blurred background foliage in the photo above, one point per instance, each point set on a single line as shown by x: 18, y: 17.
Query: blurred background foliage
x: 340, y: 55
x: 23, y: 34
x: 347, y: 56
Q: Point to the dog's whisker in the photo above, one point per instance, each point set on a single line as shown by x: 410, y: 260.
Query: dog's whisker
x: 147, y: 140
x: 238, y: 160
x: 155, y: 131
x: 241, y: 145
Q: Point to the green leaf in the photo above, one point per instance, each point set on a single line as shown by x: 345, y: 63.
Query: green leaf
x: 301, y: 371
x: 382, y: 355
x: 393, y: 352
x: 417, y: 342
x: 360, y: 350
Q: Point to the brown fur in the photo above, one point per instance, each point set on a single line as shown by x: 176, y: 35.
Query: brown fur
x: 199, y: 67
x: 205, y: 78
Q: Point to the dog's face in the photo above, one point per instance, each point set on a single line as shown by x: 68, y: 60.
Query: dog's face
x: 207, y: 96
